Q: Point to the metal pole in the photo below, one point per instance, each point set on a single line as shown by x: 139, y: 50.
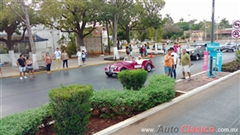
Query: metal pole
x: 212, y: 36
x: 205, y: 32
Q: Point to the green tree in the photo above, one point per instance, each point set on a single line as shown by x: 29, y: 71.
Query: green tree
x: 152, y: 16
x: 11, y: 22
x: 225, y: 23
x: 129, y: 18
x: 71, y: 16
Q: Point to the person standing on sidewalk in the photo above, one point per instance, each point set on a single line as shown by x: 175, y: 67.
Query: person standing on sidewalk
x: 84, y: 55
x: 185, y: 61
x: 64, y: 57
x: 175, y: 61
x: 58, y: 58
x: 21, y: 62
x: 168, y: 62
x: 79, y: 54
x: 48, y: 62
x: 30, y: 67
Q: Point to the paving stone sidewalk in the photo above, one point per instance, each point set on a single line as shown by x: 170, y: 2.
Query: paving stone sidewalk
x: 197, y: 81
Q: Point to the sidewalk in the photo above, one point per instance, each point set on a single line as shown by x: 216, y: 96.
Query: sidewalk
x: 72, y: 63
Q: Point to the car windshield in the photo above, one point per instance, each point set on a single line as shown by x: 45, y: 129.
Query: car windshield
x: 227, y: 43
x: 195, y: 46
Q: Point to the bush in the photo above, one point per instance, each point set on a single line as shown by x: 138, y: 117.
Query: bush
x: 133, y: 79
x: 70, y: 108
x: 160, y: 89
x: 112, y: 103
x: 238, y: 56
x: 26, y: 122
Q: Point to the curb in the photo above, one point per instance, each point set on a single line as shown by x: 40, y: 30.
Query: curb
x: 153, y: 110
x: 73, y: 67
x: 63, y: 69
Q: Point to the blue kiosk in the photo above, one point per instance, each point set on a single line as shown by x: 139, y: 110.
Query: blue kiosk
x: 215, y: 59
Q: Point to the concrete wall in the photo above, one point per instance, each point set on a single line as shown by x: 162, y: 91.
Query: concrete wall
x: 93, y: 45
x: 7, y: 58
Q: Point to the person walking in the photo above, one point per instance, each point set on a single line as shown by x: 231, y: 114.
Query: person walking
x: 64, y: 57
x: 175, y: 47
x: 30, y: 67
x: 48, y: 62
x: 79, y: 54
x: 21, y: 62
x: 163, y: 48
x: 58, y: 58
x: 175, y: 61
x: 168, y: 63
x: 185, y: 61
x: 130, y: 50
x: 127, y: 50
x: 84, y: 55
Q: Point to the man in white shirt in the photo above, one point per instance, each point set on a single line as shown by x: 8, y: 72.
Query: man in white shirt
x: 58, y: 58
x: 175, y: 59
x: 79, y: 54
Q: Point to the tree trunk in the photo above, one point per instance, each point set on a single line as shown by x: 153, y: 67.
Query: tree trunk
x: 80, y: 42
x: 9, y: 41
x: 114, y: 36
x: 128, y: 34
x: 27, y: 23
x: 109, y: 47
x: 156, y: 46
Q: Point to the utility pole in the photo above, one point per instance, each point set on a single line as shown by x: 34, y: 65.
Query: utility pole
x: 212, y: 36
x: 205, y: 31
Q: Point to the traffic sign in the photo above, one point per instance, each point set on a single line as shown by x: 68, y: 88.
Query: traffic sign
x: 236, y: 24
x: 236, y: 33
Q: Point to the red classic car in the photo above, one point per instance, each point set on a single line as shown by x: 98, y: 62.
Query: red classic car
x: 129, y: 65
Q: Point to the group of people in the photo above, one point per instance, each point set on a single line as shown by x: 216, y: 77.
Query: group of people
x: 171, y: 62
x: 64, y: 57
x: 23, y: 63
x: 26, y: 62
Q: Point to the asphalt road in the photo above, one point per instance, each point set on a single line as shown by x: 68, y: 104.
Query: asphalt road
x: 19, y: 95
x: 217, y: 108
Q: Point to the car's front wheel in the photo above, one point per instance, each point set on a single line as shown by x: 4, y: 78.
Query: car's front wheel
x: 109, y: 74
x: 197, y: 57
x: 149, y: 67
x: 233, y: 50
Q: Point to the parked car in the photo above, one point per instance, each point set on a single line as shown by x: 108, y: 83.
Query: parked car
x: 128, y: 65
x: 229, y: 46
x: 159, y: 47
x: 196, y: 51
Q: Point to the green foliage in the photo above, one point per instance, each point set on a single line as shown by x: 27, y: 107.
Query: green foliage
x: 26, y: 122
x: 71, y: 47
x: 112, y: 103
x: 70, y: 108
x: 133, y: 79
x: 160, y: 89
x: 238, y: 56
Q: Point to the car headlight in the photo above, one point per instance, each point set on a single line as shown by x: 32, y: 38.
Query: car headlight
x: 192, y: 52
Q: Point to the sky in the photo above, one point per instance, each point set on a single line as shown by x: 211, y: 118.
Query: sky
x: 202, y: 9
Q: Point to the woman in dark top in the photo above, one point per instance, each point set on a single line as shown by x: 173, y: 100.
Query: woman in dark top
x: 30, y: 66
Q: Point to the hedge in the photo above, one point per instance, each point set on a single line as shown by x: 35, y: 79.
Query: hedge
x: 133, y: 79
x: 110, y: 103
x: 26, y: 122
x: 70, y: 108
